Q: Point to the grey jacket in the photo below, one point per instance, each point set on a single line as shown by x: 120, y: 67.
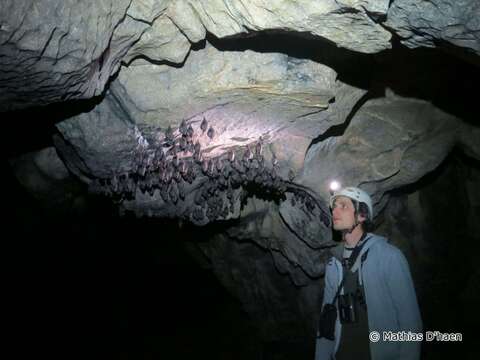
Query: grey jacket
x: 390, y: 297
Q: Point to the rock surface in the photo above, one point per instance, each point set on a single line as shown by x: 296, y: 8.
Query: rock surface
x: 437, y: 22
x: 57, y: 50
x: 196, y: 121
x: 386, y: 146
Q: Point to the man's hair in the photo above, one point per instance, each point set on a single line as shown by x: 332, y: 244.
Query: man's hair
x: 367, y: 225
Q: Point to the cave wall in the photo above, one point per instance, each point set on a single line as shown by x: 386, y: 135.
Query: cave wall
x: 378, y: 94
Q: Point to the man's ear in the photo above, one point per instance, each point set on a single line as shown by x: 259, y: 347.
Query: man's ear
x: 361, y: 218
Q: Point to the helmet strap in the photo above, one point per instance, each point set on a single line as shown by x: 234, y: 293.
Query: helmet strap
x: 355, y: 221
x: 355, y: 224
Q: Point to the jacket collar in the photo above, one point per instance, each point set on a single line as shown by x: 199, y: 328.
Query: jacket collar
x: 337, y: 251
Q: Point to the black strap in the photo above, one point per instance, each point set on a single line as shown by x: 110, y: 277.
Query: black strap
x: 357, y: 249
x: 364, y: 256
x: 354, y: 255
x: 338, y: 290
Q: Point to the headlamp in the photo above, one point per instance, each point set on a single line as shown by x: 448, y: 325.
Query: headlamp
x: 334, y: 186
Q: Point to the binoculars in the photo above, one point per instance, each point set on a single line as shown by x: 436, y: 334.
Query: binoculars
x: 348, y: 308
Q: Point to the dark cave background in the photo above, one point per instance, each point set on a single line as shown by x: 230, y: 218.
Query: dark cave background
x: 81, y: 279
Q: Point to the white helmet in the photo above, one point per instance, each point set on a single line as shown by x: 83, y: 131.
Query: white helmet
x: 354, y: 194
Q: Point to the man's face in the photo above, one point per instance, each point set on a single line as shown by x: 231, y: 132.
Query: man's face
x: 343, y: 213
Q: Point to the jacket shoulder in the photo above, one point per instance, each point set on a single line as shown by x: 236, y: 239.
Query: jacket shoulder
x: 331, y: 265
x: 331, y: 261
x: 388, y: 250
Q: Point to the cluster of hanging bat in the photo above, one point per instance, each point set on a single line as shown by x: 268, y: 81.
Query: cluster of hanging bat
x: 172, y: 167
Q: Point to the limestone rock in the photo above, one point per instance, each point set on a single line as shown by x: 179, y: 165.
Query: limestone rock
x: 468, y: 140
x: 249, y: 273
x: 163, y: 41
x: 147, y: 10
x: 389, y: 143
x: 184, y: 17
x: 57, y: 50
x: 44, y: 175
x: 243, y: 95
x: 348, y: 24
x: 163, y: 95
x: 430, y: 23
x: 99, y: 143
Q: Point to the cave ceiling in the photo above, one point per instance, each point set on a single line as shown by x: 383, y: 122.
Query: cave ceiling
x: 240, y: 112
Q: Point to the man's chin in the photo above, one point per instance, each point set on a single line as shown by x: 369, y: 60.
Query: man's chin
x: 340, y: 227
